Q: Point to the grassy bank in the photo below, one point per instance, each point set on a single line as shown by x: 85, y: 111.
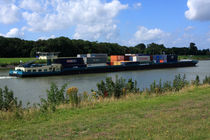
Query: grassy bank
x: 195, y: 57
x: 11, y: 62
x: 182, y: 115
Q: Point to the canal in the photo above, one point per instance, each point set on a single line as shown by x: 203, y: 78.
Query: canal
x: 32, y: 89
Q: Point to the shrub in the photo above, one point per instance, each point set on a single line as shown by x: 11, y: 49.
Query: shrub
x: 74, y: 98
x: 7, y: 100
x: 117, y: 88
x: 56, y: 96
x: 206, y: 80
x: 196, y: 82
x: 179, y: 82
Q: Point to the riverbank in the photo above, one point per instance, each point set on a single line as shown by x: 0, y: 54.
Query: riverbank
x: 194, y: 57
x: 10, y: 63
x: 181, y: 115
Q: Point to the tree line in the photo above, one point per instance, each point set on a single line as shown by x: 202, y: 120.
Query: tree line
x: 15, y: 47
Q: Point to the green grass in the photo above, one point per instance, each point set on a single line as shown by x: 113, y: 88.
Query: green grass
x: 195, y: 57
x: 183, y: 115
x: 15, y: 61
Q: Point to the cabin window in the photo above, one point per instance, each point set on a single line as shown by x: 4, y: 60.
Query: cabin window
x: 34, y: 70
x: 45, y: 70
x: 29, y: 70
x: 40, y: 70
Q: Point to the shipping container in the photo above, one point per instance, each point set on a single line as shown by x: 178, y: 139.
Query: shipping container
x: 65, y: 61
x: 172, y: 58
x: 116, y: 58
x: 140, y: 59
x: 116, y: 63
x: 97, y: 55
x: 157, y: 58
x: 81, y: 55
x: 127, y: 58
x: 161, y: 61
x: 95, y: 60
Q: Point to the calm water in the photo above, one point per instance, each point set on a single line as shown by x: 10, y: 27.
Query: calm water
x: 31, y: 89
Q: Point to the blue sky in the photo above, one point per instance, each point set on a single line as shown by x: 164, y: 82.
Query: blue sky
x: 127, y: 22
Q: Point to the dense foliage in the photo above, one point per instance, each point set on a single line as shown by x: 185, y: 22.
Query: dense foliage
x: 7, y: 100
x: 15, y: 47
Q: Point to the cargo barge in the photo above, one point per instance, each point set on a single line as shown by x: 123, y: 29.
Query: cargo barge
x: 97, y: 63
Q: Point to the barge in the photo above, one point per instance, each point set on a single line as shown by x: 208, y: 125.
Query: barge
x: 95, y: 64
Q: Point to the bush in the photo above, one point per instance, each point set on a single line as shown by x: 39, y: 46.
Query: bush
x: 55, y: 96
x: 179, y: 82
x: 7, y: 100
x: 206, y: 80
x: 117, y: 88
x: 74, y: 98
x: 196, y: 82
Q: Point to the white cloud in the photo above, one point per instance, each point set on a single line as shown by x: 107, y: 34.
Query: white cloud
x: 94, y: 32
x: 93, y: 18
x: 9, y: 12
x: 137, y: 5
x: 198, y: 10
x: 32, y: 5
x: 144, y: 34
x: 188, y: 28
x: 14, y: 32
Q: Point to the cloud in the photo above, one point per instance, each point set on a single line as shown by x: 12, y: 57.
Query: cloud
x: 137, y: 5
x: 96, y: 31
x: 9, y: 12
x: 144, y: 34
x: 188, y: 28
x: 32, y: 5
x: 14, y: 32
x: 198, y: 10
x: 93, y: 18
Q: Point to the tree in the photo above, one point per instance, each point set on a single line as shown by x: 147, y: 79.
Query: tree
x: 193, y: 49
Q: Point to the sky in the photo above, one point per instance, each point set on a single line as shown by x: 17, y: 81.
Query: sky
x: 126, y: 22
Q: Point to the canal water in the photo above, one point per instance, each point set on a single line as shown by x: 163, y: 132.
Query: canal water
x: 32, y: 89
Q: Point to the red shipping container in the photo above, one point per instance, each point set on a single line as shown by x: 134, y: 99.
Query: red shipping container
x: 126, y: 58
x: 116, y: 58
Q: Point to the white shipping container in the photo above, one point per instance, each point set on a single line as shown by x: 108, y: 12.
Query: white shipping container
x: 141, y: 58
x: 96, y: 55
x: 81, y: 55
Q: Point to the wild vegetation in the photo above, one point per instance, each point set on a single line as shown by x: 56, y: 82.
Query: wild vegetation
x: 107, y: 88
x: 14, y: 47
x: 176, y: 115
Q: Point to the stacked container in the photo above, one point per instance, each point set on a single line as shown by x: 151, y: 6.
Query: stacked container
x: 97, y: 55
x: 93, y: 60
x: 81, y: 55
x: 70, y: 62
x: 172, y: 58
x: 115, y: 59
x: 140, y: 59
x: 160, y: 58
